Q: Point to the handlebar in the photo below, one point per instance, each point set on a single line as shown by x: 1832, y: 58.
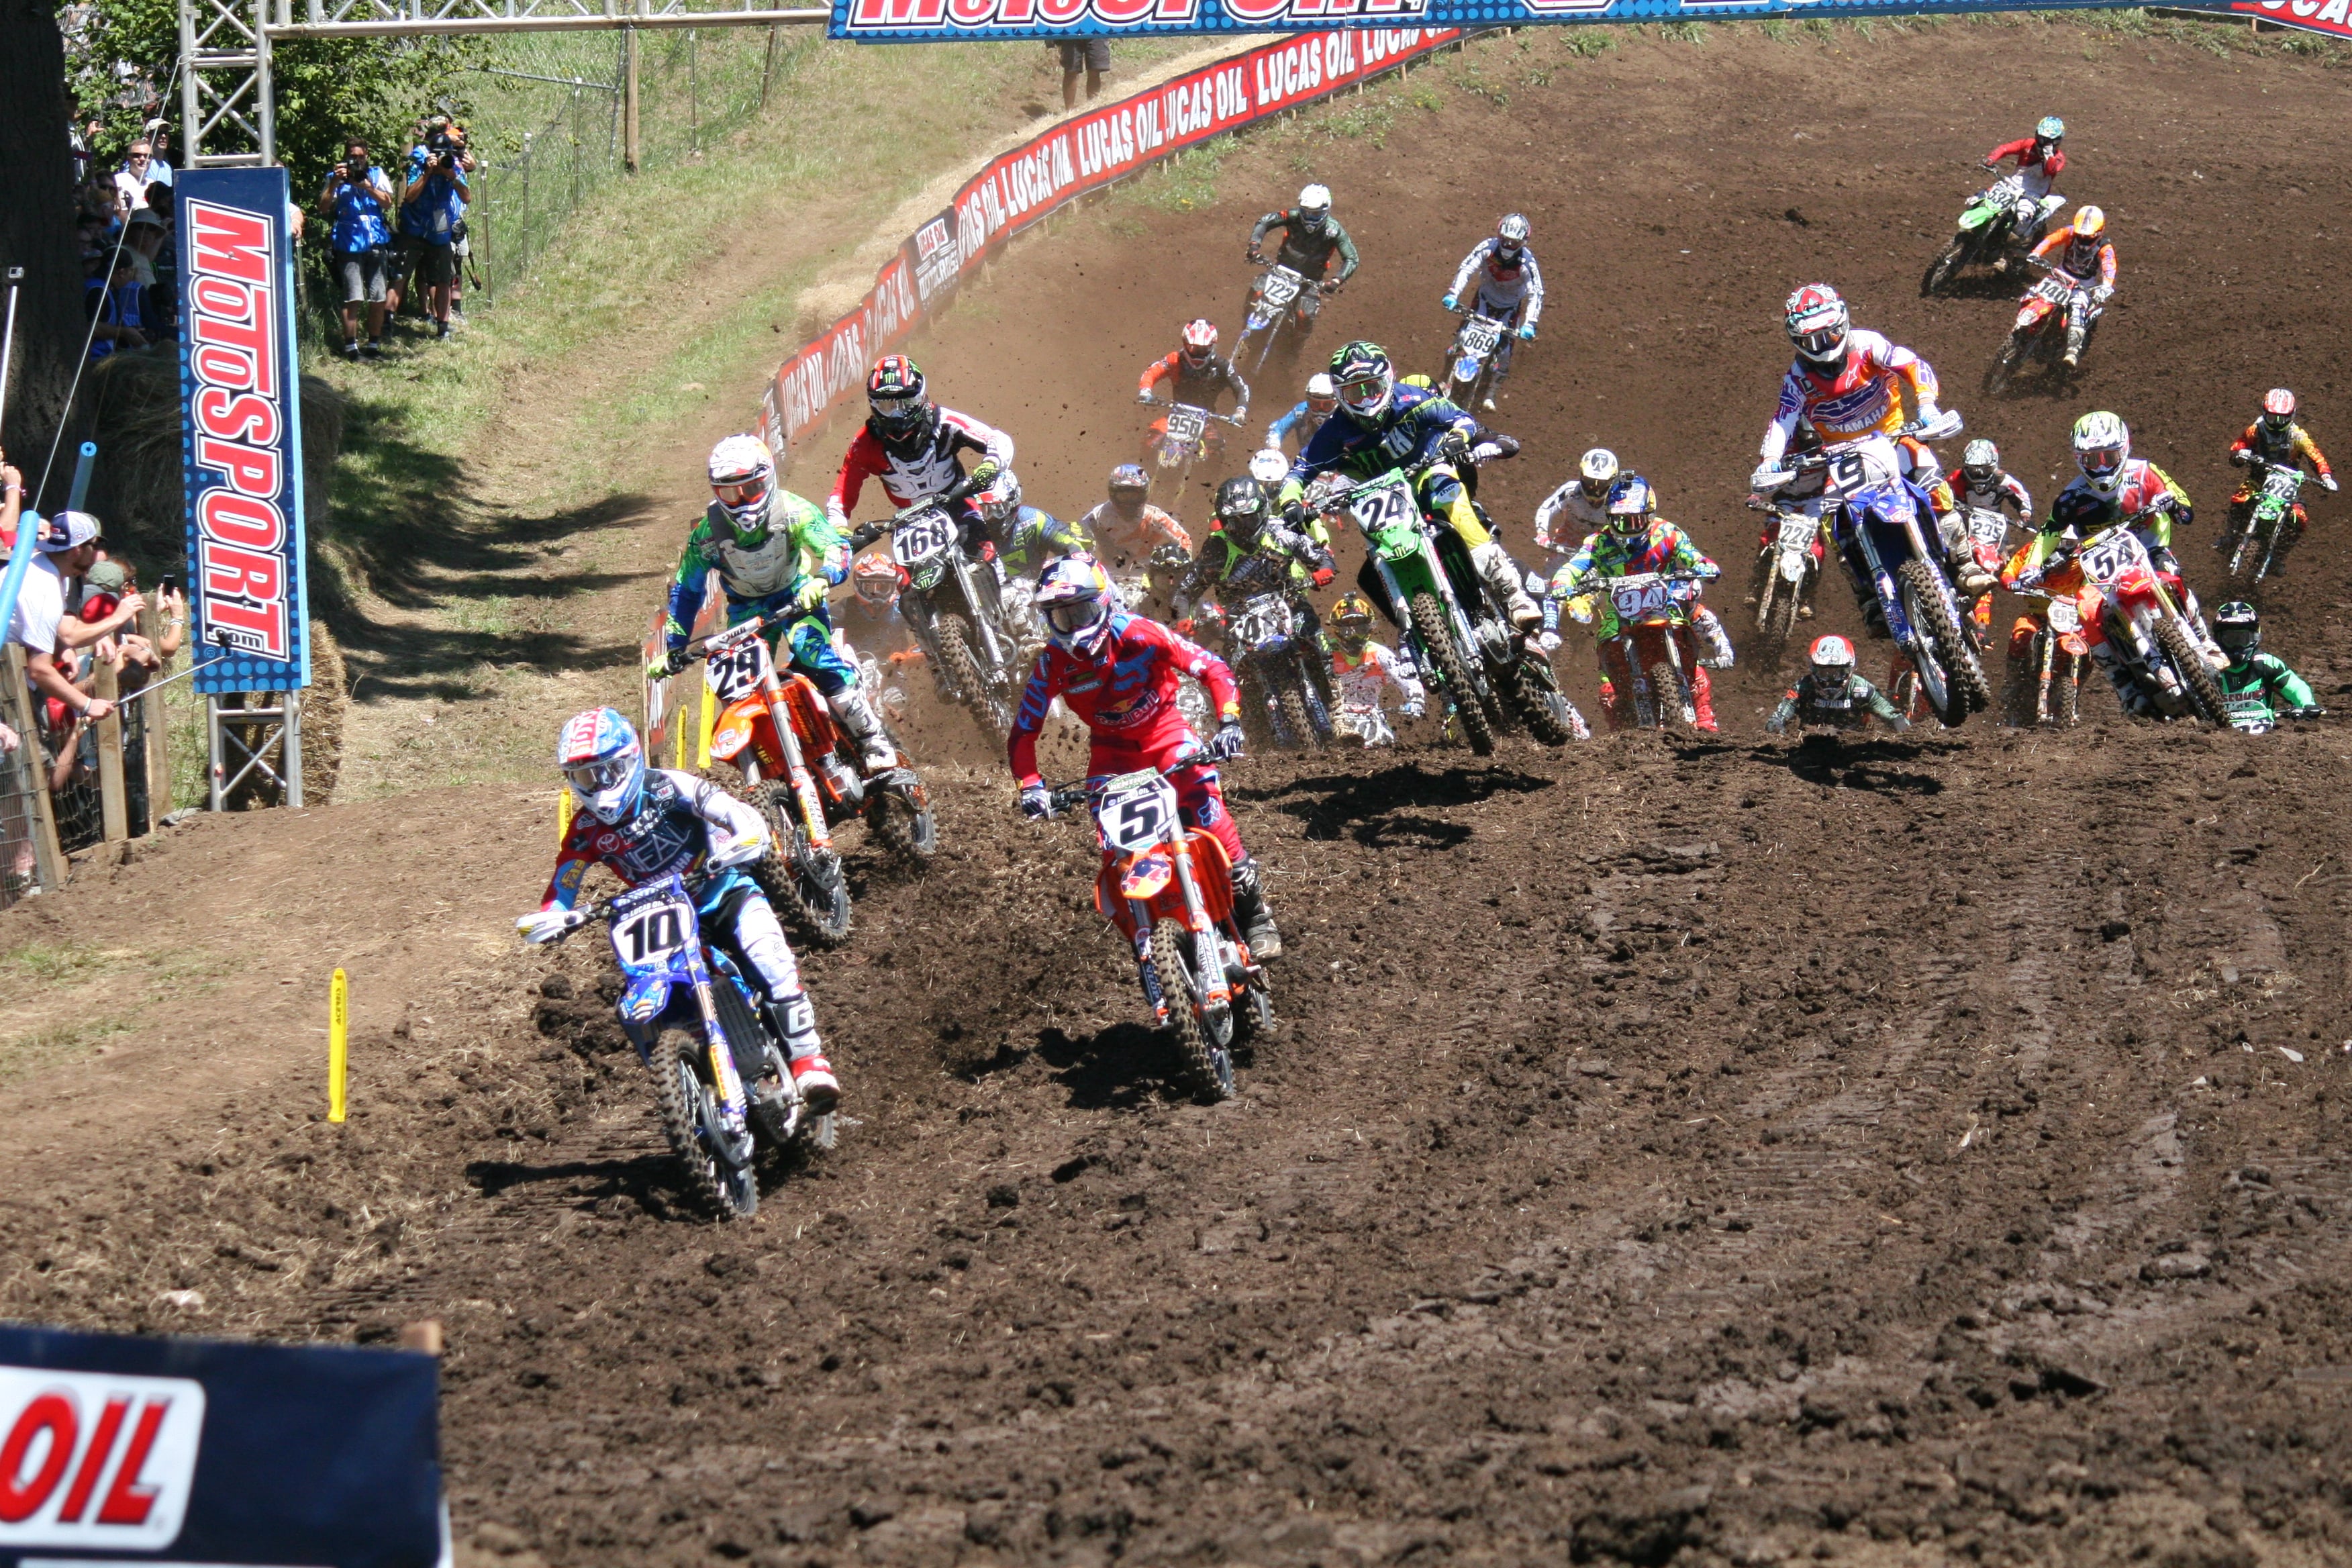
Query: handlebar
x: 1065, y: 797
x: 1235, y: 418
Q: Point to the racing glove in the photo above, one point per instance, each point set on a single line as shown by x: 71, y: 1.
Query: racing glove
x: 1144, y: 398
x: 662, y: 666
x: 1414, y: 709
x: 1527, y: 334
x: 1227, y: 742
x: 1323, y: 576
x: 1454, y: 447
x: 2330, y: 480
x: 1548, y: 641
x: 544, y: 925
x: 1036, y: 802
x: 983, y: 474
x: 1295, y: 516
x: 809, y: 597
x: 1447, y: 303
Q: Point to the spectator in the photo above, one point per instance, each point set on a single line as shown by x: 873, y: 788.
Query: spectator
x: 1090, y: 55
x: 84, y: 142
x: 358, y: 195
x: 12, y: 503
x: 113, y: 303
x: 159, y: 142
x: 141, y: 244
x: 432, y: 204
x: 131, y: 180
x: 40, y: 625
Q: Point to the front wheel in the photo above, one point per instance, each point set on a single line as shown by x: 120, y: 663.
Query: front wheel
x: 2205, y: 699
x: 1944, y: 267
x: 1208, y: 1066
x: 691, y: 1122
x: 1435, y: 633
x: 988, y: 708
x: 1292, y: 703
x: 899, y: 817
x: 1951, y: 677
x: 806, y: 882
x: 2003, y: 368
x: 1535, y: 694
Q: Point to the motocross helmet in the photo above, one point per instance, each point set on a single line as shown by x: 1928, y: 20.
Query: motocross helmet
x: 604, y: 766
x: 1001, y: 501
x: 1366, y: 379
x: 2102, y: 448
x: 2090, y: 233
x: 1594, y: 471
x: 1200, y: 344
x: 2050, y: 131
x: 1981, y: 464
x: 1322, y: 394
x: 1511, y: 237
x: 742, y: 475
x: 876, y: 580
x: 1833, y: 665
x: 1267, y: 466
x: 2239, y: 630
x: 2278, y: 411
x: 1129, y: 486
x: 1632, y: 505
x: 1818, y: 322
x: 1351, y: 621
x: 1241, y: 509
x: 1314, y: 209
x: 898, y: 397
x: 1075, y: 600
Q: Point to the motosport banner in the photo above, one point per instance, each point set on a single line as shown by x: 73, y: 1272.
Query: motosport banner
x: 2333, y: 17
x: 178, y: 1452
x: 1056, y: 167
x: 241, y: 430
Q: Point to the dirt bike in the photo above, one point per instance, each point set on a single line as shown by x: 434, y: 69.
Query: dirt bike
x: 1471, y: 371
x: 1281, y: 297
x: 1170, y: 891
x: 2054, y: 666
x: 2272, y: 514
x: 1651, y: 614
x: 1272, y: 654
x: 801, y: 770
x: 953, y: 605
x: 705, y: 1032
x: 1787, y: 570
x: 1880, y: 527
x: 1993, y: 223
x: 2040, y: 331
x: 1181, y: 437
x: 2120, y: 592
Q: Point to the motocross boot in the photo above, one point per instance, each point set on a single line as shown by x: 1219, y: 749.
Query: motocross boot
x: 1702, y: 700
x: 874, y: 753
x: 1502, y: 579
x: 1250, y: 912
x: 2074, y: 336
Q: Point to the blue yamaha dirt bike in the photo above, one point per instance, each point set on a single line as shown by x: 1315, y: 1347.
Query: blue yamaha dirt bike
x: 706, y: 1033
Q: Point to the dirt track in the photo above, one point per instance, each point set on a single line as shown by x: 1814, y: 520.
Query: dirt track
x: 1919, y: 1152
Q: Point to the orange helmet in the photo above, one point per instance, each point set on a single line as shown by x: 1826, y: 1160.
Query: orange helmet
x: 2090, y: 223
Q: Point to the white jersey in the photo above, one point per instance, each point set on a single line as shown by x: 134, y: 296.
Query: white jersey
x: 1589, y: 516
x: 1503, y: 286
x: 1362, y: 680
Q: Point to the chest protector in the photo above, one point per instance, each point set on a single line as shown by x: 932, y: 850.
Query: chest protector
x: 769, y: 567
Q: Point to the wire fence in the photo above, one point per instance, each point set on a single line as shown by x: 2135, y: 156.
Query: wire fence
x: 549, y: 123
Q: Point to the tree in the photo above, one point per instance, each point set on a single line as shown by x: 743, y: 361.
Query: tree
x: 37, y: 230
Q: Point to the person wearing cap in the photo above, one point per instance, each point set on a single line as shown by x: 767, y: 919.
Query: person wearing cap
x: 40, y: 625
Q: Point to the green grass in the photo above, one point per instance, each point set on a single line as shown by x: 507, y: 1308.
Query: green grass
x: 40, y: 1049
x: 37, y: 963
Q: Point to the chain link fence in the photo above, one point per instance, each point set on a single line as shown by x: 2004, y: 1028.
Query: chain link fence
x: 550, y: 124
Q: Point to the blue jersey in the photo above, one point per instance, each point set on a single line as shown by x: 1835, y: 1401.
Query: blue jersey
x: 1300, y: 414
x: 671, y: 833
x: 1406, y: 431
x: 359, y: 213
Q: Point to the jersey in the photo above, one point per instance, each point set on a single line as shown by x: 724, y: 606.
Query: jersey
x: 880, y: 632
x: 2291, y: 449
x: 1409, y: 430
x: 1362, y: 677
x: 2007, y: 491
x: 1124, y: 541
x: 1301, y: 417
x: 680, y: 820
x: 799, y: 542
x: 1307, y: 254
x: 2255, y: 688
x: 2145, y: 490
x: 1516, y: 284
x: 2039, y: 163
x: 1663, y: 547
x: 1571, y: 505
x: 1032, y: 537
x: 2099, y: 270
x: 1861, y: 702
x: 1867, y: 397
x: 1198, y: 387
x: 1279, y: 558
x: 929, y: 463
x: 1125, y: 694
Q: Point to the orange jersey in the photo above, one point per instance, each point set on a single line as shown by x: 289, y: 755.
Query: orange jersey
x: 2051, y: 251
x: 1867, y: 397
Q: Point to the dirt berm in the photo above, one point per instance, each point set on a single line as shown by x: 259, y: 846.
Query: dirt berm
x: 1918, y: 1151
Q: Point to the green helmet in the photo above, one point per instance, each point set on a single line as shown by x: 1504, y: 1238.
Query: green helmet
x: 1366, y: 379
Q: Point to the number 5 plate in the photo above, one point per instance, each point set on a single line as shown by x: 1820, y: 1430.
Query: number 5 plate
x: 1136, y: 811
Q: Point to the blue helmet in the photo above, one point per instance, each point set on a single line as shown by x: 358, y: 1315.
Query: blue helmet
x: 603, y: 765
x: 2051, y: 129
x: 1631, y: 503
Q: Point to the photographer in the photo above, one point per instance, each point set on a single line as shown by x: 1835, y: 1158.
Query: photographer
x: 432, y: 207
x: 356, y: 197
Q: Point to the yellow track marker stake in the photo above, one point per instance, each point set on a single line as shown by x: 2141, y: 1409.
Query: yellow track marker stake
x: 681, y: 763
x: 563, y: 815
x: 338, y: 1051
x: 709, y: 724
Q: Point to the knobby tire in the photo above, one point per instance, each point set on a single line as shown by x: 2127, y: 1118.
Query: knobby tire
x: 2205, y: 696
x: 1292, y: 703
x: 1437, y: 634
x: 1942, y: 270
x: 786, y: 874
x: 1531, y: 695
x: 1172, y: 955
x: 955, y: 640
x: 1965, y: 690
x: 677, y: 1059
x: 899, y: 827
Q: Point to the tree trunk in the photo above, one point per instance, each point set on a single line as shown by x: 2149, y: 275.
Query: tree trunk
x: 36, y: 233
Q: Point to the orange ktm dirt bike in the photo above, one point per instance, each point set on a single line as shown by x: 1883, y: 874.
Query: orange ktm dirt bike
x: 1170, y: 893
x: 801, y: 771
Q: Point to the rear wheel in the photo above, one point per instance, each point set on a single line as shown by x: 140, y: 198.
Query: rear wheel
x: 1208, y: 1066
x: 1768, y: 590
x: 1437, y: 634
x: 963, y: 666
x: 689, y: 1118
x: 2066, y: 689
x: 2204, y: 692
x: 1535, y: 693
x: 806, y: 882
x: 1951, y: 677
x: 1944, y: 268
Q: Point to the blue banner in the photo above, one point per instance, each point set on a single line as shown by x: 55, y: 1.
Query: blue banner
x: 173, y: 1451
x: 241, y: 430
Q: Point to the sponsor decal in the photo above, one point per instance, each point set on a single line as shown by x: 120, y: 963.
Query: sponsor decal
x: 96, y: 1460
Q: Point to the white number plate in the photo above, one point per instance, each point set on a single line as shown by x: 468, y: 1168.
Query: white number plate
x: 1378, y: 508
x: 1639, y: 601
x: 1261, y: 621
x: 2110, y: 559
x: 920, y: 537
x: 2054, y: 289
x: 1136, y: 812
x: 1281, y: 287
x: 2064, y: 616
x: 1479, y: 336
x: 1989, y: 527
x: 736, y: 671
x: 2282, y: 484
x: 651, y: 933
x: 1799, y: 533
x: 1185, y: 425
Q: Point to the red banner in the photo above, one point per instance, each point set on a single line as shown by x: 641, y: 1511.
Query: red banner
x: 1046, y: 172
x: 2329, y: 17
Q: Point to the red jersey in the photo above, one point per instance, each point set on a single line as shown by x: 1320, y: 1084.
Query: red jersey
x: 1125, y: 694
x: 923, y: 465
x: 2050, y: 161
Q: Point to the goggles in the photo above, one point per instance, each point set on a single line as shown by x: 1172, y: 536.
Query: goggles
x: 2100, y: 461
x: 896, y: 410
x: 1071, y: 616
x: 1363, y: 391
x: 592, y: 778
x: 1821, y: 342
x: 745, y: 492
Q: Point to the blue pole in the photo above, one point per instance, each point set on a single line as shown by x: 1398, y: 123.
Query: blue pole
x: 28, y: 529
x: 81, y: 474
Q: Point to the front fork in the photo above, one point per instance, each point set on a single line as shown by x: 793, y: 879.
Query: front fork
x: 813, y: 821
x: 723, y: 1076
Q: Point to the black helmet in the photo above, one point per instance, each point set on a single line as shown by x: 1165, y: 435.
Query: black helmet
x: 1241, y: 507
x: 2239, y: 630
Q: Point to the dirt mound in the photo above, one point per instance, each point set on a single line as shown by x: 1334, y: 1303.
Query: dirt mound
x: 1916, y: 1151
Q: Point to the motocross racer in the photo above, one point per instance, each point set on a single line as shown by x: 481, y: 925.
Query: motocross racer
x: 2084, y: 258
x: 2259, y: 686
x: 1127, y: 529
x: 1309, y: 234
x: 772, y: 551
x: 1251, y: 553
x: 1306, y: 415
x: 2275, y: 437
x: 1585, y: 500
x: 1118, y: 673
x: 2040, y: 160
x: 1025, y: 537
x: 1510, y: 287
x: 1362, y: 670
x: 1981, y: 484
x: 1804, y: 493
x: 1197, y: 374
x: 1831, y: 693
x: 644, y: 824
x: 870, y: 615
x: 1635, y: 539
x: 1381, y: 424
x: 916, y: 448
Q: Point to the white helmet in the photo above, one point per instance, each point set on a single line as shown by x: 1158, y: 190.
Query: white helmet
x: 1267, y: 466
x: 1511, y: 234
x: 1322, y: 393
x: 1981, y: 462
x: 2102, y: 448
x: 1832, y: 661
x: 1595, y: 470
x: 741, y: 475
x: 1001, y: 501
x: 1314, y: 205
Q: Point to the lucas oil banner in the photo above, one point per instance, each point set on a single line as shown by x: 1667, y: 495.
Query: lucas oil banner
x: 241, y: 431
x: 173, y: 1452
